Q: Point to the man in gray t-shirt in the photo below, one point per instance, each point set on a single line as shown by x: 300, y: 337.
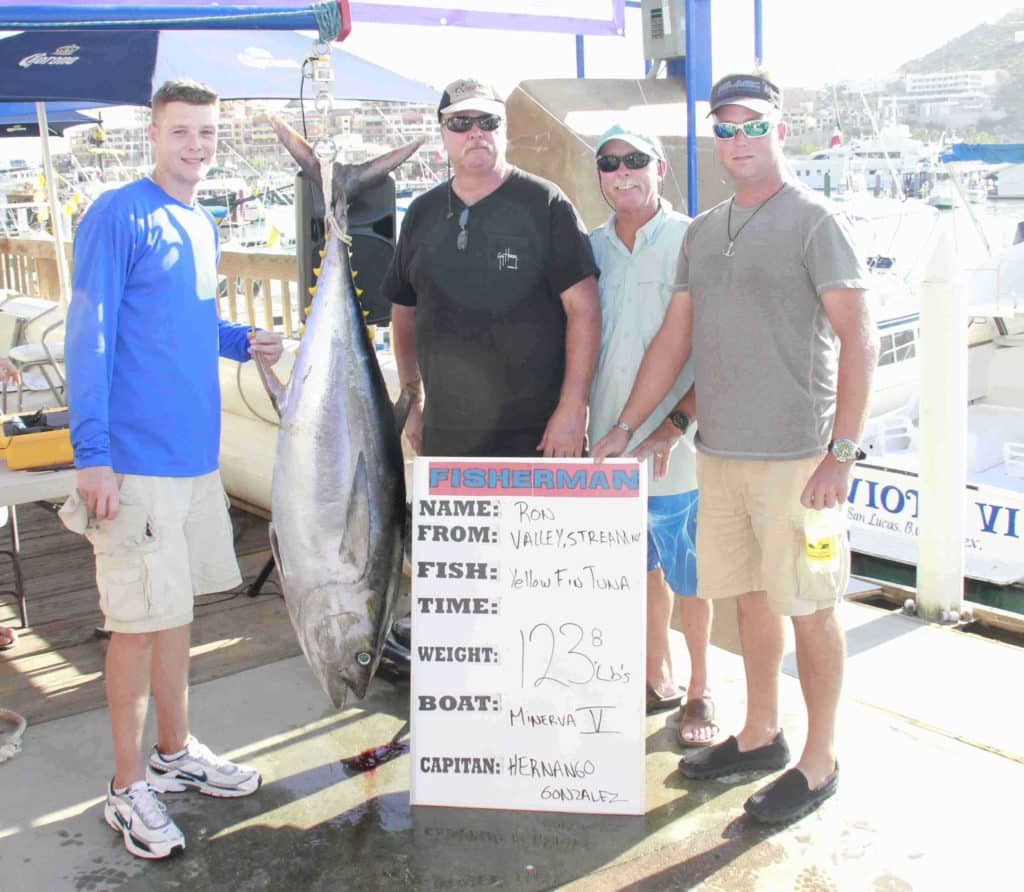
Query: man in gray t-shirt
x: 770, y: 294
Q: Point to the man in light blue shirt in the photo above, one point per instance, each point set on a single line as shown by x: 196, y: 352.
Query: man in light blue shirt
x: 636, y: 251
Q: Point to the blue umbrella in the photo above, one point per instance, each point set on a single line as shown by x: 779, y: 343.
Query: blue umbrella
x: 21, y: 118
x: 127, y: 67
x: 124, y: 67
x: 331, y: 19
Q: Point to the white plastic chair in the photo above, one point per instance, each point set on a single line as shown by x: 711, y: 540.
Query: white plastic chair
x: 47, y: 355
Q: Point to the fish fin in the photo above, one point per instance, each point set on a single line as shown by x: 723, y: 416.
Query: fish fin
x: 306, y: 158
x: 402, y: 408
x: 298, y: 148
x: 272, y: 384
x: 407, y: 538
x: 355, y: 540
x: 275, y: 551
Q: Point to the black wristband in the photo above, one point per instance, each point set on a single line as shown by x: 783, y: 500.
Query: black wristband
x: 680, y: 419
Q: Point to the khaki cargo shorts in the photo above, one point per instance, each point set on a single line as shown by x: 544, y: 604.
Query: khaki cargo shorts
x: 750, y: 535
x: 170, y: 541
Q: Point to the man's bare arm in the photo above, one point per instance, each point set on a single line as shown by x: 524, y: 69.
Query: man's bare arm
x: 566, y: 431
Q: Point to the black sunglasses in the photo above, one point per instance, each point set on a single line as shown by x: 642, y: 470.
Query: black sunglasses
x: 634, y: 161
x: 464, y: 123
x: 463, y: 238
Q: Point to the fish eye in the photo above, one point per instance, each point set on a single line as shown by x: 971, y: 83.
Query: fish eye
x: 363, y: 658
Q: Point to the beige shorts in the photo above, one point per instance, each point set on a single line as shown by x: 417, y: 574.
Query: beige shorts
x: 171, y: 540
x: 750, y: 535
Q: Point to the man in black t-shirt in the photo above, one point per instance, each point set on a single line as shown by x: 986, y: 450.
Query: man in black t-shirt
x: 496, y: 318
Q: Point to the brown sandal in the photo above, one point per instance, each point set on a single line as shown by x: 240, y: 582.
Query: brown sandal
x: 696, y: 714
x: 656, y: 703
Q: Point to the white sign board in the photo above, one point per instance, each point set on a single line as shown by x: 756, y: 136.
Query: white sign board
x: 570, y: 16
x: 883, y: 510
x: 528, y: 631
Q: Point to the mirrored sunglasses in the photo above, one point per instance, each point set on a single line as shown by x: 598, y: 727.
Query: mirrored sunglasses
x: 462, y: 240
x: 753, y: 129
x: 464, y: 123
x: 634, y: 161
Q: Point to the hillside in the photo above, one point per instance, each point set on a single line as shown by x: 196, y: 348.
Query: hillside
x: 988, y: 46
x: 983, y: 47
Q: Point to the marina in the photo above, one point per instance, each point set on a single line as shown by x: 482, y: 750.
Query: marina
x: 929, y: 754
x: 362, y: 829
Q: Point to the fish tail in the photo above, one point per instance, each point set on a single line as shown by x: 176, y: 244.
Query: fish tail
x: 357, y: 178
x: 349, y: 179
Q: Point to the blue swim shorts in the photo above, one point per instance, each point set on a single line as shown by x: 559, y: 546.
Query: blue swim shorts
x: 672, y: 539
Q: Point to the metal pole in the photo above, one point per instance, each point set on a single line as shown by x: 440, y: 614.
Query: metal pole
x: 758, y: 32
x: 56, y: 214
x: 942, y: 475
x: 690, y: 71
x: 579, y: 56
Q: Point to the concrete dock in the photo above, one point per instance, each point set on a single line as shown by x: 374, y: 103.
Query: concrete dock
x: 931, y: 747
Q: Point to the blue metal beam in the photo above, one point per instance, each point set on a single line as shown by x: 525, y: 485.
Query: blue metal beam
x: 758, y: 32
x: 696, y: 74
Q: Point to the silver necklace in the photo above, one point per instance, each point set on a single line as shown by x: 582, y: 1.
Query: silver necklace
x: 729, y: 249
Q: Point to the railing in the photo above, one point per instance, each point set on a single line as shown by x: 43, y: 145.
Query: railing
x: 259, y: 288
x: 255, y: 287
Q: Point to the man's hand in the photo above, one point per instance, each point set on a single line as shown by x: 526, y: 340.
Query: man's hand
x: 829, y: 484
x: 267, y: 344
x: 100, y: 488
x: 611, y: 445
x: 566, y: 433
x: 658, y: 447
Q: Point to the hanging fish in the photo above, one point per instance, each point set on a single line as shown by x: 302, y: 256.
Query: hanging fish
x: 338, y: 492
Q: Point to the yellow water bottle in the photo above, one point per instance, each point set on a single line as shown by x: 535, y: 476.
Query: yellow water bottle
x: 822, y: 529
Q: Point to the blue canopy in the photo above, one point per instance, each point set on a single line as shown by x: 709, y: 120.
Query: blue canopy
x: 990, y: 153
x: 20, y: 118
x: 127, y: 67
x: 330, y: 19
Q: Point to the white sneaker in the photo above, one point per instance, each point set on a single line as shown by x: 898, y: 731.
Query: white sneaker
x: 143, y: 821
x: 199, y: 769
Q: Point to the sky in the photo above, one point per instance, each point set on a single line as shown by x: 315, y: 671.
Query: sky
x: 806, y: 43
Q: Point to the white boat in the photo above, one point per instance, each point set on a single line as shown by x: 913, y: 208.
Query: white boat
x: 954, y: 186
x: 868, y: 164
x: 883, y: 508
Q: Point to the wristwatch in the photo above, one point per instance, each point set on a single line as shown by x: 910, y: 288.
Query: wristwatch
x: 680, y: 419
x: 843, y: 449
x: 621, y: 425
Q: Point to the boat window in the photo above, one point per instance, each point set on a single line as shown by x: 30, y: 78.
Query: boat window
x: 897, y: 347
x: 885, y: 351
x: 904, y: 345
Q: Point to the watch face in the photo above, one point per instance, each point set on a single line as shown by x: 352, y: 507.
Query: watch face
x: 844, y: 449
x: 680, y: 419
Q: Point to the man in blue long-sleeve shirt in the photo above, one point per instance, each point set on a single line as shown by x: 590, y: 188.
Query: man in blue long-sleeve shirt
x: 142, y: 347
